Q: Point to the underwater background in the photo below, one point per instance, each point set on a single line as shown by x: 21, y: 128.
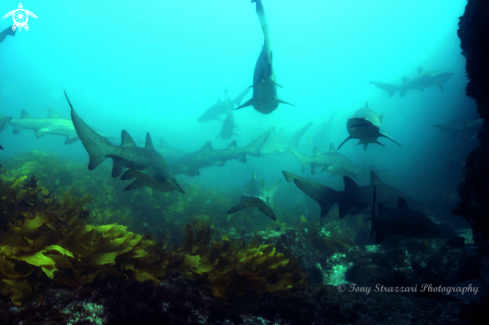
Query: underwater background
x: 157, y: 66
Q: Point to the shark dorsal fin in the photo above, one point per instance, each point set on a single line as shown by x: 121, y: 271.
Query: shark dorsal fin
x: 381, y: 208
x: 207, y: 146
x: 420, y: 70
x: 262, y: 182
x: 317, y: 152
x: 331, y: 147
x: 404, y: 80
x: 401, y: 203
x: 149, y: 142
x: 127, y: 141
x: 232, y: 145
x: 53, y: 114
x: 374, y: 178
x: 349, y: 183
x: 24, y: 114
x: 366, y: 105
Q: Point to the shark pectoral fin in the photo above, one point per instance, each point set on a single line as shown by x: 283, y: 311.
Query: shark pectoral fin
x: 266, y: 210
x: 277, y: 84
x: 236, y: 208
x: 17, y: 129
x: 138, y: 183
x: 117, y: 169
x: 441, y: 87
x: 39, y: 133
x: 174, y: 186
x: 388, y: 137
x: 242, y: 159
x: 281, y: 101
x: 249, y: 102
x: 70, y: 140
x: 349, y: 137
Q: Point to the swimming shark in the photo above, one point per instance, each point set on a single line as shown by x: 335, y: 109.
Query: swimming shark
x: 424, y: 79
x: 52, y: 124
x: 207, y: 156
x: 468, y: 131
x: 228, y: 126
x: 145, y: 164
x: 400, y: 222
x: 264, y: 99
x: 365, y: 126
x: 322, y: 136
x: 353, y: 199
x: 223, y: 107
x: 4, y: 121
x: 169, y: 152
x: 275, y: 147
x: 332, y: 161
x: 255, y: 196
x: 6, y: 32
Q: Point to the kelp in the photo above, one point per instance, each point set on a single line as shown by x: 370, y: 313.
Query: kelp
x: 47, y: 242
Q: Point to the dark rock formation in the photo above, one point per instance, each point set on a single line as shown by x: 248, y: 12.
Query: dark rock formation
x: 474, y: 190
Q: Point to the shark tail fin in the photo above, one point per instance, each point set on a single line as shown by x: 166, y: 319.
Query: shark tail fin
x: 388, y: 137
x: 254, y: 147
x: 296, y: 138
x: 303, y: 160
x: 271, y: 193
x: 97, y: 146
x: 325, y: 196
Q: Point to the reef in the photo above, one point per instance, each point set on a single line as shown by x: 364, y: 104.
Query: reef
x: 474, y: 189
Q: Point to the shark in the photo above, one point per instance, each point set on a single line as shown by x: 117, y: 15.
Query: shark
x: 322, y: 136
x: 52, y: 124
x: 280, y: 147
x: 255, y: 196
x: 223, y: 107
x: 468, y: 131
x: 365, y: 126
x: 332, y: 161
x: 146, y: 165
x: 400, y: 222
x: 264, y: 99
x: 228, y: 126
x: 207, y: 156
x: 4, y: 121
x: 6, y: 32
x: 169, y: 152
x: 353, y: 199
x: 424, y: 79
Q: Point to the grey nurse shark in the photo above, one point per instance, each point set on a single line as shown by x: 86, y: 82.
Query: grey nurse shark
x: 424, y: 79
x: 469, y: 131
x: 52, y: 124
x: 276, y: 147
x: 145, y: 164
x: 255, y: 196
x: 332, y: 161
x: 222, y: 107
x: 353, y: 199
x: 207, y: 156
x: 400, y: 222
x: 364, y: 125
x: 265, y: 99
